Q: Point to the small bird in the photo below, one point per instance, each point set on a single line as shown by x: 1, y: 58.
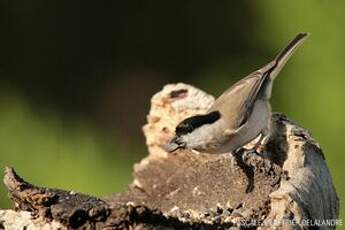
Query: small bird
x: 239, y: 115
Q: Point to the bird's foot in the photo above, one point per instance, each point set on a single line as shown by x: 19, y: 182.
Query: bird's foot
x: 249, y: 153
x: 260, y: 148
x: 249, y: 156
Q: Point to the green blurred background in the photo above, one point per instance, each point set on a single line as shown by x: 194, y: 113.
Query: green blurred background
x: 76, y: 77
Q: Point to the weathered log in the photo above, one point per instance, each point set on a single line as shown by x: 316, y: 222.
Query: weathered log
x: 188, y: 190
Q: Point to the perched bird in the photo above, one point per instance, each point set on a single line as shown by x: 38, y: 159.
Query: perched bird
x: 239, y: 115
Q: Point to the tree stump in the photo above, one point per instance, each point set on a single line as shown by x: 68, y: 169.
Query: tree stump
x: 290, y: 188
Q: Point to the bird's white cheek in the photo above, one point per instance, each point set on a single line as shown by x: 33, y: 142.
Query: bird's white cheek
x: 195, y: 141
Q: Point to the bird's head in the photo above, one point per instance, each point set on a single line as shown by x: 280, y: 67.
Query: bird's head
x: 193, y: 132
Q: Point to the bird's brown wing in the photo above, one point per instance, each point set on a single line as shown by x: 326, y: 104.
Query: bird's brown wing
x: 236, y: 103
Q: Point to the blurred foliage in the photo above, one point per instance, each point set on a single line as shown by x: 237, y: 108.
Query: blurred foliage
x: 68, y: 118
x: 52, y: 152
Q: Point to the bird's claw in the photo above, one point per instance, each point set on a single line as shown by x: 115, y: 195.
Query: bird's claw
x: 248, y: 154
x: 260, y: 148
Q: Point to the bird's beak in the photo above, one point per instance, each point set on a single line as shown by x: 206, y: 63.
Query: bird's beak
x: 173, y: 145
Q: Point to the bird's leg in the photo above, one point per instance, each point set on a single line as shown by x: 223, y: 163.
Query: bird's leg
x: 241, y: 155
x: 265, y: 135
x: 260, y: 147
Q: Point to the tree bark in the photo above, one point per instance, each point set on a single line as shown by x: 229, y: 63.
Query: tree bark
x: 286, y: 189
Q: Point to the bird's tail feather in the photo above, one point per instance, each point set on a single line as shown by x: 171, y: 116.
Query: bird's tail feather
x: 286, y: 53
x: 272, y: 69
